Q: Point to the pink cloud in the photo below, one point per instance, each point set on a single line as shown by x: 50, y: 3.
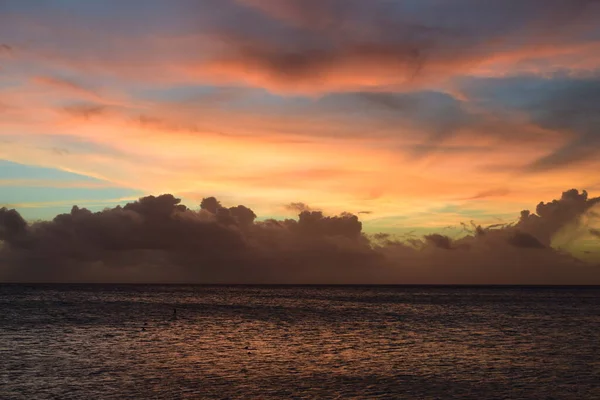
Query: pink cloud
x: 355, y: 48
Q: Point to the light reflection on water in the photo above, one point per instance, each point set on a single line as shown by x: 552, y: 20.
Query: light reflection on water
x: 298, y: 342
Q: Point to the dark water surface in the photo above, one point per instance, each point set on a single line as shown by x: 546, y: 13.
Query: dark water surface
x: 72, y: 342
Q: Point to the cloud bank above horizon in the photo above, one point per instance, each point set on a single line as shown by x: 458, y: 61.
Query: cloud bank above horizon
x: 416, y: 115
x: 157, y: 239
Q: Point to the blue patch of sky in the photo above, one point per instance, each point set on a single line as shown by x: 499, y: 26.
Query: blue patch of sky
x: 14, y: 195
x: 90, y: 9
x: 231, y: 97
x: 501, y: 91
x: 9, y: 83
x: 450, y: 209
x: 522, y: 91
x: 463, y: 210
x: 136, y: 17
x: 68, y: 145
x: 12, y: 170
x: 176, y: 93
x: 75, y: 145
x: 48, y: 213
x: 464, y: 215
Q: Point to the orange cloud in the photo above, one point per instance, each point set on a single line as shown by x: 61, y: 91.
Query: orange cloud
x: 358, y: 49
x: 267, y: 160
x: 394, y: 155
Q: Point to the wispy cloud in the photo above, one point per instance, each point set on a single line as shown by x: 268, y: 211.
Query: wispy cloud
x: 53, y: 183
x: 391, y: 106
x: 91, y: 202
x: 66, y: 85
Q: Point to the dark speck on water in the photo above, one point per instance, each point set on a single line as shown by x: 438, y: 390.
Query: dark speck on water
x: 362, y: 342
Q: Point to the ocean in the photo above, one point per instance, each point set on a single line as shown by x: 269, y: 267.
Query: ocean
x: 300, y: 342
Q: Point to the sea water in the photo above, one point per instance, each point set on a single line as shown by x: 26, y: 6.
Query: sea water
x: 279, y: 342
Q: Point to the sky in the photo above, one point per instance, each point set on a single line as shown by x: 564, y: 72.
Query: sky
x: 420, y: 117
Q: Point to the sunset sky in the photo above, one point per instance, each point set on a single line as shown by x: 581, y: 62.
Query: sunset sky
x: 414, y: 115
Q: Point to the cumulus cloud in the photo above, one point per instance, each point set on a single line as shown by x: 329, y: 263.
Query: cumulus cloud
x: 158, y: 239
x: 12, y: 225
x: 298, y: 207
x: 441, y: 241
x: 551, y: 217
x: 522, y: 239
x: 210, y: 204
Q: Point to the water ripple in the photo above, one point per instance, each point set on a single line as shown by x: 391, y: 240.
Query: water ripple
x: 121, y: 342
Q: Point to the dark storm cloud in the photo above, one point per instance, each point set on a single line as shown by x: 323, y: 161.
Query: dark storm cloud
x: 157, y: 239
